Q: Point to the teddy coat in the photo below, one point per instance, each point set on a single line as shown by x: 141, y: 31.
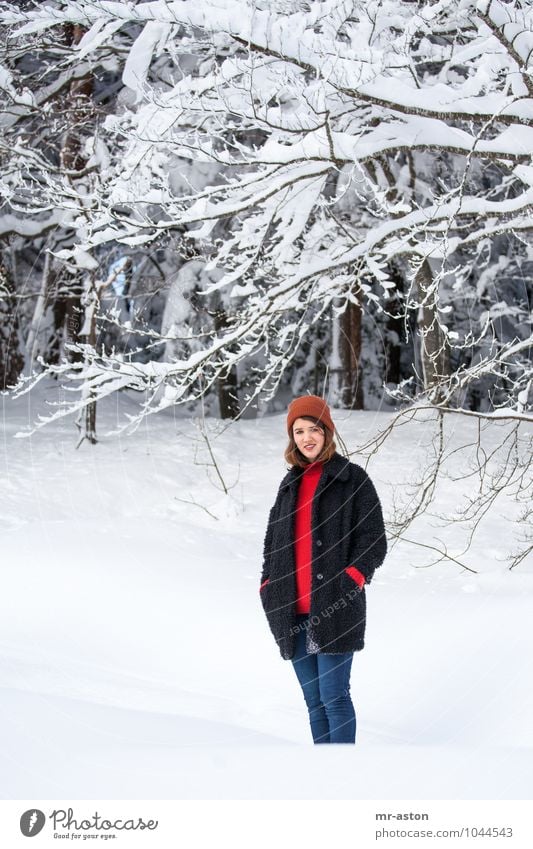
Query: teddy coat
x: 346, y: 530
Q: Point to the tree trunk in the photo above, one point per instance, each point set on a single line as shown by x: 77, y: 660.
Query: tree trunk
x: 87, y: 419
x: 39, y: 310
x: 346, y: 384
x: 65, y: 298
x: 227, y: 386
x: 395, y: 330
x: 11, y: 359
x: 64, y: 294
x: 79, y: 109
x: 352, y: 396
x: 434, y: 352
x: 346, y: 388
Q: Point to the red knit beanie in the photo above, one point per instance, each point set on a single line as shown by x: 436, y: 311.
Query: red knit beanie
x: 309, y: 405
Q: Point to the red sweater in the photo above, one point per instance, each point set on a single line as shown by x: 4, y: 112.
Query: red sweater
x: 303, y: 539
x: 302, y: 536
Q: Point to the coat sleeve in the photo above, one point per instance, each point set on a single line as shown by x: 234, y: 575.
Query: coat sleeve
x: 267, y: 545
x: 369, y: 543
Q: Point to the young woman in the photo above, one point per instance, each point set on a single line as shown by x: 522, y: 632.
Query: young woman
x: 324, y: 540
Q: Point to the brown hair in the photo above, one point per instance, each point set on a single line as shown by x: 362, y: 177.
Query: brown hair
x: 294, y: 456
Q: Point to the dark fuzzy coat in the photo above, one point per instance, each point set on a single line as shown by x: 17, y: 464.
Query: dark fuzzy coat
x: 347, y: 530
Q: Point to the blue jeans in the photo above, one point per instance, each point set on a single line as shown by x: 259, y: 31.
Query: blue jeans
x: 325, y: 681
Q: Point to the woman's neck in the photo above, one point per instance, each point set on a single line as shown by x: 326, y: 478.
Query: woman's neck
x: 315, y: 463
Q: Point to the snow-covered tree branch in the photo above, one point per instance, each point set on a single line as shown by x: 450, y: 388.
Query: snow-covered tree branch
x: 404, y: 106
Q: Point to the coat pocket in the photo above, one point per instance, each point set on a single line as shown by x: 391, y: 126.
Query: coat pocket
x: 352, y: 592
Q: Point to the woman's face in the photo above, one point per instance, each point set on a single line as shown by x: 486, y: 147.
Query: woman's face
x: 309, y: 438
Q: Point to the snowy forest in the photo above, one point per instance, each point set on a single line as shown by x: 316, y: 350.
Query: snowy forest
x: 231, y: 203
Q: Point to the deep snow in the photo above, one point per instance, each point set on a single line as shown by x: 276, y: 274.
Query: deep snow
x: 136, y: 661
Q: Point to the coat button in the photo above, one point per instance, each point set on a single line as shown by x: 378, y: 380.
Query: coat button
x: 319, y: 576
x: 319, y: 542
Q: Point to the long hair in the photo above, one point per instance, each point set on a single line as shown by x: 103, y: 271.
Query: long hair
x: 294, y: 456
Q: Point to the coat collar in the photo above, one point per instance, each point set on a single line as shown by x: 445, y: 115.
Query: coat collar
x: 337, y: 467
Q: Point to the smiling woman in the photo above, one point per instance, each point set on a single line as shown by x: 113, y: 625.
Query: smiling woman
x: 324, y: 540
x: 309, y: 438
x: 310, y: 430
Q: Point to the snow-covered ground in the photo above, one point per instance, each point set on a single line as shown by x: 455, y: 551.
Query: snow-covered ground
x: 136, y: 661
